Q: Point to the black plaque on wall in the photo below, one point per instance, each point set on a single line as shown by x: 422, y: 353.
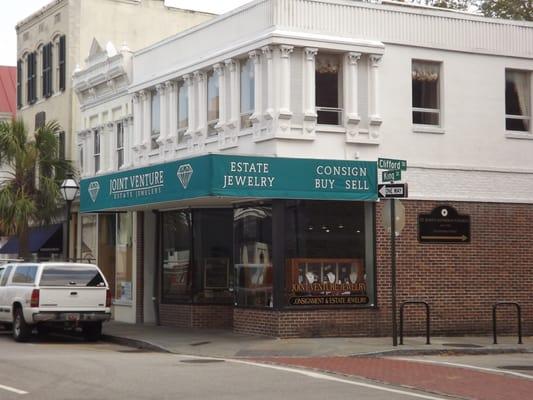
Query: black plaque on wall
x: 443, y: 225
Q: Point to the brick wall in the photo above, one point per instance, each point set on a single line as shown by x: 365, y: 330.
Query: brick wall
x: 196, y: 316
x: 459, y: 281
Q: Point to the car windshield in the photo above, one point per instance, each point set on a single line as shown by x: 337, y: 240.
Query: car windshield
x: 65, y: 276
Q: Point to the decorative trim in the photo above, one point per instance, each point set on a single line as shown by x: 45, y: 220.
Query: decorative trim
x: 285, y: 50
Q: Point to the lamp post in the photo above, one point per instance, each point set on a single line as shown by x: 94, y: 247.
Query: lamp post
x: 69, y: 190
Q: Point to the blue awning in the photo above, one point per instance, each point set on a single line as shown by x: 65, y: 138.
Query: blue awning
x: 47, y: 239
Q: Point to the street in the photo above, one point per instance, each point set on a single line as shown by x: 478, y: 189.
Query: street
x: 59, y: 367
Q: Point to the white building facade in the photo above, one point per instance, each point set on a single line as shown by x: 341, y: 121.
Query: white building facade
x: 261, y: 96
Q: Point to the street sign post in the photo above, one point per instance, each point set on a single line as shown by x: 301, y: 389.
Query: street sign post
x: 393, y: 172
x: 391, y: 190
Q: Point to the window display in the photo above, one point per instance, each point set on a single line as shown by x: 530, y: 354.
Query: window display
x: 123, y: 268
x: 326, y: 253
x: 253, y: 256
x: 176, y: 255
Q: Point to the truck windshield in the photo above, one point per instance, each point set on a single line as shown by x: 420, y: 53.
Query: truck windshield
x: 64, y: 276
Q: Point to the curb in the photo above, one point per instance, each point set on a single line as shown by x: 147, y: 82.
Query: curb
x: 449, y: 352
x: 134, y: 343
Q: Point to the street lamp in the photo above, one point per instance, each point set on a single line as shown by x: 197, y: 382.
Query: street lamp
x: 69, y: 190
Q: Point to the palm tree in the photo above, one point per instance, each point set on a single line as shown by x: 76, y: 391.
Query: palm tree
x: 32, y: 171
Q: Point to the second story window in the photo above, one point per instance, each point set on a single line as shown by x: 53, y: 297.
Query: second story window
x: 247, y: 93
x: 425, y: 77
x: 213, y: 100
x: 96, y: 151
x: 32, y: 73
x: 62, y: 62
x: 155, y: 107
x: 517, y: 100
x: 47, y: 70
x: 120, y: 144
x: 328, y: 84
x: 183, y: 111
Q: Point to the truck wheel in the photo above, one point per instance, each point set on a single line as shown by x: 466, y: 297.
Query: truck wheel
x: 92, y: 331
x: 21, y: 330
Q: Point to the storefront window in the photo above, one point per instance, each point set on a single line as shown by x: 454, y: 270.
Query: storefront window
x: 106, y: 246
x: 123, y: 267
x: 253, y: 256
x: 88, y: 238
x: 326, y: 254
x: 176, y: 255
x: 213, y: 243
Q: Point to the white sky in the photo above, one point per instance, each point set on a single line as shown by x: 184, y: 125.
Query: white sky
x: 18, y: 10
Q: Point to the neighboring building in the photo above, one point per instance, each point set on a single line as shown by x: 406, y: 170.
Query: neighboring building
x: 106, y: 114
x: 253, y: 178
x: 57, y: 38
x: 8, y: 99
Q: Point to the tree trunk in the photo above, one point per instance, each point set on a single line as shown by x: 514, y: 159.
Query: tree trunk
x: 24, y: 244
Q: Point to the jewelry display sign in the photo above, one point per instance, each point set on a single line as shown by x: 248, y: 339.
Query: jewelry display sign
x: 323, y: 282
x: 444, y: 225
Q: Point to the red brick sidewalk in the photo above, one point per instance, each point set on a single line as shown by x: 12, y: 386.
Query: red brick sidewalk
x: 452, y: 381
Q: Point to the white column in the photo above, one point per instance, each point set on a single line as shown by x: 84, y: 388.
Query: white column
x: 127, y: 125
x: 258, y: 86
x: 137, y: 122
x: 234, y: 94
x: 219, y: 72
x: 309, y: 90
x: 146, y: 98
x: 189, y: 84
x: 171, y: 89
x: 163, y: 114
x: 351, y: 93
x: 375, y: 60
x: 270, y: 87
x: 374, y: 121
x: 111, y: 146
x: 285, y: 81
x: 201, y: 104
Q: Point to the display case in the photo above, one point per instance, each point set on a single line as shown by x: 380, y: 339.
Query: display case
x: 326, y: 270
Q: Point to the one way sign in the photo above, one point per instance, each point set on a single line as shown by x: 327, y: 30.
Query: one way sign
x: 397, y: 190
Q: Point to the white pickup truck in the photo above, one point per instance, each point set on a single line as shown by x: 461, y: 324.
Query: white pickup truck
x: 53, y: 295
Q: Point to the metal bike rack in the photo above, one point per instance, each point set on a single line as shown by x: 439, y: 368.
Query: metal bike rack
x: 427, y: 318
x: 519, y: 312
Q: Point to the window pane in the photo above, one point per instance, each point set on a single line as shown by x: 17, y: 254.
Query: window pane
x: 62, y: 276
x: 253, y: 256
x: 327, y: 81
x: 123, y: 268
x: 517, y: 99
x: 106, y: 246
x: 325, y: 253
x: 425, y: 118
x: 88, y: 238
x: 213, y: 234
x: 183, y: 106
x: 176, y: 255
x: 247, y: 87
x: 212, y: 102
x: 5, y: 277
x: 24, y: 275
x: 425, y: 84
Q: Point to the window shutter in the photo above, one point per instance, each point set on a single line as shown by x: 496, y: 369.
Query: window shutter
x: 62, y: 62
x: 45, y: 72
x: 28, y: 80
x: 19, y: 83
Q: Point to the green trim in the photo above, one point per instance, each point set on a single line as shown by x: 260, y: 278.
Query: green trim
x: 231, y: 176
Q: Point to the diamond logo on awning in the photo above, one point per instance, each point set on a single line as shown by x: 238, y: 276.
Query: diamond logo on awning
x: 184, y: 174
x: 94, y: 188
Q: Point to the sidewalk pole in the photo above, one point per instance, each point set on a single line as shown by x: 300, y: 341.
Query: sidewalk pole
x: 393, y: 270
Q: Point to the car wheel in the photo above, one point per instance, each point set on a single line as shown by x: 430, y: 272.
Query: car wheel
x: 21, y: 330
x: 92, y: 331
